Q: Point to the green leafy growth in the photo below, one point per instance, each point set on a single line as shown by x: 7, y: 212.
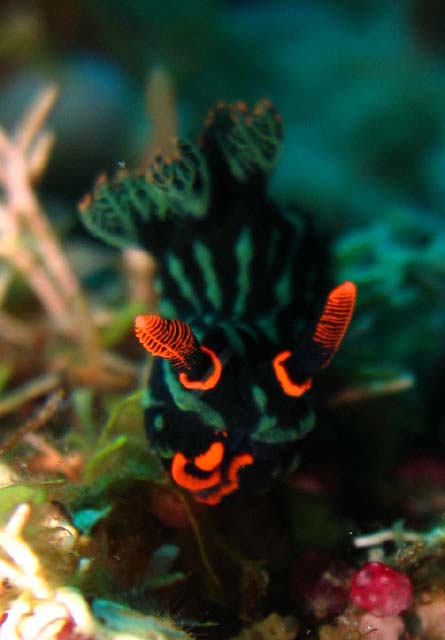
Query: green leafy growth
x: 5, y: 373
x: 124, y: 620
x: 398, y: 267
x: 125, y: 455
x: 249, y: 140
x: 86, y: 519
x: 126, y: 459
x: 14, y: 494
x: 133, y: 401
x: 160, y: 573
x: 120, y: 209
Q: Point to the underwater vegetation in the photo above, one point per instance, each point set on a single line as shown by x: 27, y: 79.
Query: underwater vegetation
x: 97, y: 540
x: 177, y: 457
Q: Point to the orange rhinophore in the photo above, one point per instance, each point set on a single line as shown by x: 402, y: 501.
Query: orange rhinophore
x: 175, y: 341
x: 335, y: 319
x: 318, y: 349
x: 171, y: 339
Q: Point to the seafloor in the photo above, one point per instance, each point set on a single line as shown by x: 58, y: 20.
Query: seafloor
x: 97, y: 539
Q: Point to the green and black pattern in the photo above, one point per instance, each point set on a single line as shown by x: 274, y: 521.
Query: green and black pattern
x: 245, y: 274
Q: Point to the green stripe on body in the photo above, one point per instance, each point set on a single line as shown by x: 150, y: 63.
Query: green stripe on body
x: 176, y: 270
x: 204, y: 259
x: 244, y: 254
x: 188, y: 401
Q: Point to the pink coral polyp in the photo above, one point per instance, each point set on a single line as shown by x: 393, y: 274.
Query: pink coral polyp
x: 380, y: 589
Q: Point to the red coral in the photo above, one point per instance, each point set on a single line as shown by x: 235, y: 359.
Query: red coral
x: 380, y: 589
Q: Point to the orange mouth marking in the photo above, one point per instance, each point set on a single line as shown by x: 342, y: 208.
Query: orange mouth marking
x: 213, y: 485
x: 231, y: 484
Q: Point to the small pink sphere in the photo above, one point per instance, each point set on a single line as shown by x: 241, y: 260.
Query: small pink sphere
x: 380, y: 589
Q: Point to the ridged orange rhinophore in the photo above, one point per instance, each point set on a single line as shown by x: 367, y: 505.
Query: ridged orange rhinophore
x: 171, y: 339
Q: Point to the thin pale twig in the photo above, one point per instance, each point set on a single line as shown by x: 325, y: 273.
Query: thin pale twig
x: 5, y: 279
x: 350, y: 395
x: 14, y: 331
x: 18, y: 164
x: 54, y: 461
x: 386, y: 535
x: 35, y: 117
x: 120, y: 365
x: 21, y: 553
x: 30, y: 246
x: 30, y: 391
x: 42, y: 417
x: 18, y: 520
x: 39, y: 154
x: 40, y: 282
x: 49, y: 248
x: 140, y: 268
x: 11, y: 575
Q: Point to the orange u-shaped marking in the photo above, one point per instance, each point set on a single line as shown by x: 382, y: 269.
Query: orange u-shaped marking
x: 209, y: 382
x: 289, y: 387
x: 189, y: 481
